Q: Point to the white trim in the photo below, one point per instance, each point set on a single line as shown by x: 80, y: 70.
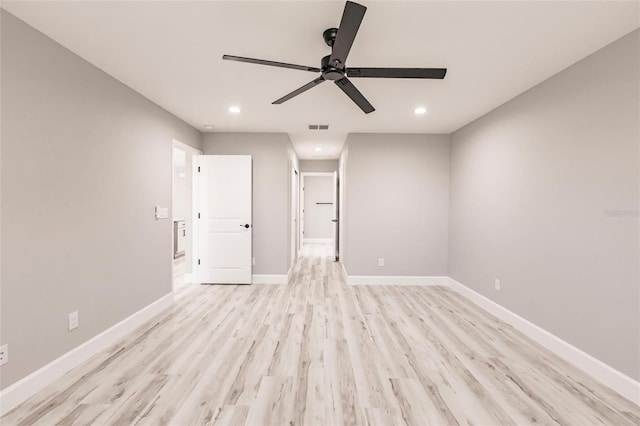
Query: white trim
x: 268, y: 279
x: 609, y: 376
x: 188, y: 278
x: 316, y: 174
x: 194, y: 152
x: 391, y: 280
x: 29, y: 385
x: 185, y: 147
x: 317, y: 240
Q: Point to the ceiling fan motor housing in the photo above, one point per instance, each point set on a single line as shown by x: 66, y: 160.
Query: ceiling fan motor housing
x: 330, y: 72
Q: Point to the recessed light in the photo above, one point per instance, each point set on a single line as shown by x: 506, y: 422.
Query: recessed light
x: 420, y: 110
x: 208, y: 126
x: 318, y: 149
x: 234, y: 109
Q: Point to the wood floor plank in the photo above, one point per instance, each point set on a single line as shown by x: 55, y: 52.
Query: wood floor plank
x: 319, y: 352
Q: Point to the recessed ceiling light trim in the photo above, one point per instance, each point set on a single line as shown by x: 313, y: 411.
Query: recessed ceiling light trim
x: 234, y: 109
x: 420, y: 110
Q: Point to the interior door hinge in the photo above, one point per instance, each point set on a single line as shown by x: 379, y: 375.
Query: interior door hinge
x: 198, y: 261
x: 198, y: 215
x: 198, y: 169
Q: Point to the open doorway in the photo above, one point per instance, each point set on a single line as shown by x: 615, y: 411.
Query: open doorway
x: 318, y: 202
x: 182, y: 212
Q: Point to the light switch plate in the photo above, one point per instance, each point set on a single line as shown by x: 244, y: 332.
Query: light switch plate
x: 162, y: 213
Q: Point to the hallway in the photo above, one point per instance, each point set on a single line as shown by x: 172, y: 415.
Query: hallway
x: 317, y: 352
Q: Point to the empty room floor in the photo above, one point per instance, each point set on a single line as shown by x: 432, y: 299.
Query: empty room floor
x: 319, y: 352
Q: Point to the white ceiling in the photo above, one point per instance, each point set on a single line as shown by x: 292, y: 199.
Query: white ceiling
x: 171, y: 53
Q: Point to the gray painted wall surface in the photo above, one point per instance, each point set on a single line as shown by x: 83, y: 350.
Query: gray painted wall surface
x: 317, y: 217
x: 318, y: 166
x: 397, y: 204
x: 271, y: 192
x: 84, y: 161
x: 531, y: 185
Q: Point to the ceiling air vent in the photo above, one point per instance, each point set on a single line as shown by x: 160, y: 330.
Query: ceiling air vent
x: 318, y: 127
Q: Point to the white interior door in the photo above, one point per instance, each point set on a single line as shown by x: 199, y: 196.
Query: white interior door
x: 336, y: 216
x: 225, y: 219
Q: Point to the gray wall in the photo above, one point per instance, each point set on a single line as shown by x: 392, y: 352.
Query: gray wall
x: 84, y: 161
x: 317, y: 217
x: 318, y: 166
x: 532, y: 186
x: 397, y: 204
x: 271, y: 192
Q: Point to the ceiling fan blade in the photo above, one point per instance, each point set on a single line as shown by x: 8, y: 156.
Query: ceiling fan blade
x: 397, y: 72
x: 355, y: 95
x: 351, y: 20
x: 296, y: 92
x: 270, y: 63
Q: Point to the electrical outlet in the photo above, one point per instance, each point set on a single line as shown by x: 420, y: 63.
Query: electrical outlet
x: 73, y: 320
x: 381, y: 262
x: 4, y: 354
x: 498, y: 288
x: 253, y: 261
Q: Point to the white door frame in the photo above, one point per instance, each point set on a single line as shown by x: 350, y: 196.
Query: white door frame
x: 295, y: 215
x: 189, y: 150
x: 301, y: 216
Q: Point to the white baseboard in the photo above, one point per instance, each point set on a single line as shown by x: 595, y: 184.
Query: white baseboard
x: 317, y: 240
x: 609, y: 376
x: 402, y: 280
x: 29, y: 385
x: 268, y: 279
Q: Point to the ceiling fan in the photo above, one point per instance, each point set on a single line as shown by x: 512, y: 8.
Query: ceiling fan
x: 333, y: 67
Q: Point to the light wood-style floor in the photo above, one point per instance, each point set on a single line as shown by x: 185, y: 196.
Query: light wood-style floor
x: 319, y: 352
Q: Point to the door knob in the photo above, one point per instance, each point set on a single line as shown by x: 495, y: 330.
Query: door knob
x: 246, y: 225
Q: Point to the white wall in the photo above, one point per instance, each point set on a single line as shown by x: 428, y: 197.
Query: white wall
x: 317, y: 217
x: 544, y: 196
x: 84, y: 161
x: 396, y: 204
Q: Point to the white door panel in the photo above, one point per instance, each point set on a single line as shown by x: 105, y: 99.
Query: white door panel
x: 225, y: 212
x: 336, y: 216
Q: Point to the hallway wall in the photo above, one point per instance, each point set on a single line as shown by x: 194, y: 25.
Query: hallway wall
x: 318, y: 166
x: 396, y: 204
x: 272, y: 156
